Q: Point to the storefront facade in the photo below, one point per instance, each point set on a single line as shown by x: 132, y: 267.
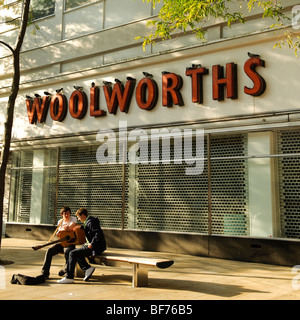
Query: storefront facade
x: 177, y: 107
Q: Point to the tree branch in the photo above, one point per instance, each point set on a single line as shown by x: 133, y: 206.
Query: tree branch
x: 8, y: 123
x: 24, y: 20
x: 10, y: 21
x: 7, y: 46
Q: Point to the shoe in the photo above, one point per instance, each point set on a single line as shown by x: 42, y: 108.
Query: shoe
x: 65, y: 280
x: 88, y: 273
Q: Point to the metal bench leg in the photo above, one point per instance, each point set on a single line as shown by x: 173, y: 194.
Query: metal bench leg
x: 139, y: 276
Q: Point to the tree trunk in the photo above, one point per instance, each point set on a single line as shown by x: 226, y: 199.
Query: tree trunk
x: 11, y: 104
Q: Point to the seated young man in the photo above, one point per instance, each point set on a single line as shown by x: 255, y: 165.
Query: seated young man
x: 95, y: 244
x: 66, y: 223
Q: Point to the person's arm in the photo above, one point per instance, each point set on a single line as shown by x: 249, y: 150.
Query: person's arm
x: 59, y: 228
x: 71, y: 226
x: 77, y: 226
x: 95, y: 229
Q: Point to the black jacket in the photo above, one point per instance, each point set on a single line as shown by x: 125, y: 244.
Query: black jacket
x: 94, y: 235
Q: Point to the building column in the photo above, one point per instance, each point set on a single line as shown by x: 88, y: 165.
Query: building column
x: 131, y: 195
x: 260, y: 185
x: 36, y: 206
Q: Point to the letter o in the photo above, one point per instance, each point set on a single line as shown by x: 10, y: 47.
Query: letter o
x: 58, y: 107
x: 78, y: 104
x: 144, y: 102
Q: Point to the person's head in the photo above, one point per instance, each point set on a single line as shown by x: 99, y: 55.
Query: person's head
x: 65, y: 212
x: 81, y: 214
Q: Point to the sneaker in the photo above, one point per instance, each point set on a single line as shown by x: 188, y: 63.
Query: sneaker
x: 65, y: 280
x: 88, y: 273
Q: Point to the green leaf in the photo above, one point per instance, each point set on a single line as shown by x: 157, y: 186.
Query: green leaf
x: 183, y: 15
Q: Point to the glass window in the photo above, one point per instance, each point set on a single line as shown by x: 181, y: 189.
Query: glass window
x: 6, y: 2
x: 42, y: 8
x: 70, y: 4
x: 10, y: 15
x: 120, y: 12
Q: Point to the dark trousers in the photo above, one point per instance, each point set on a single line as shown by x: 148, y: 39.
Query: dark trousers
x: 78, y: 255
x: 52, y: 251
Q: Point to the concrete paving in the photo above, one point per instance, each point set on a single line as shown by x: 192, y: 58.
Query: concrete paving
x: 190, y: 278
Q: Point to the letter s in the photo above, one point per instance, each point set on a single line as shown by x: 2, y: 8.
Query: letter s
x: 258, y: 81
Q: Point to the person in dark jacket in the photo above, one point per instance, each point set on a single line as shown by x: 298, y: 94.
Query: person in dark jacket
x: 95, y: 244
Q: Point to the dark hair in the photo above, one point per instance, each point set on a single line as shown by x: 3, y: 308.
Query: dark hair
x: 82, y: 211
x: 64, y: 209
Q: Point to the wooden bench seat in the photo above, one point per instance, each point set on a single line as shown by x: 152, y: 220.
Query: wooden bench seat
x: 140, y: 265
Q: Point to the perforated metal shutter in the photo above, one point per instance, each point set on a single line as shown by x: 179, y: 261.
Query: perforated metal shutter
x: 85, y: 183
x: 166, y: 199
x: 22, y: 188
x: 160, y: 197
x: 229, y: 180
x: 289, y: 183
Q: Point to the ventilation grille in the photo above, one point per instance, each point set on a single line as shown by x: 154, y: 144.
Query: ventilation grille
x: 289, y: 183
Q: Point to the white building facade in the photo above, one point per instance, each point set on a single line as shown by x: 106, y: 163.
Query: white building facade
x: 242, y: 203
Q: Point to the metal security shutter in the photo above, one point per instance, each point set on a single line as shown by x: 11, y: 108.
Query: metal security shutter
x: 229, y: 178
x: 166, y: 199
x: 85, y: 183
x: 21, y: 186
x: 289, y: 183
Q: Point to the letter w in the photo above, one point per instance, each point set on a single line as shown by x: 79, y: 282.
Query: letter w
x: 119, y: 96
x: 37, y: 109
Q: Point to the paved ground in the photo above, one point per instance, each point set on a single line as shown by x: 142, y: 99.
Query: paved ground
x: 190, y: 278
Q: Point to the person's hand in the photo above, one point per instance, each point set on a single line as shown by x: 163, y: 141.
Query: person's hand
x: 90, y: 246
x: 78, y: 226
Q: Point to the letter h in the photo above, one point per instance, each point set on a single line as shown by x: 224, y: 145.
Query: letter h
x: 230, y: 81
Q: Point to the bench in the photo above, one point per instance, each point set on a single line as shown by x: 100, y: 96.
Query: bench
x: 140, y: 265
